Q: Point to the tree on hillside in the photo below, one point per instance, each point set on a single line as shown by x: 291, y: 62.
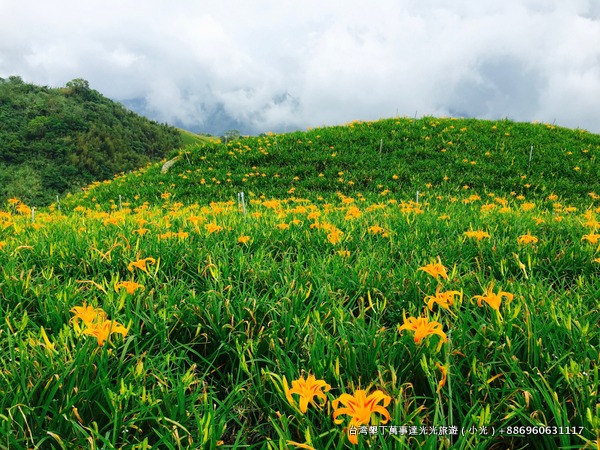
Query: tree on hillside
x: 230, y: 135
x: 79, y: 84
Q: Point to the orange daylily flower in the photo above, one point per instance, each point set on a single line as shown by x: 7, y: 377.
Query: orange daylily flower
x: 361, y: 409
x: 527, y: 239
x: 492, y: 299
x: 335, y: 236
x: 591, y: 238
x: 307, y: 390
x: 213, y: 227
x: 423, y: 328
x: 444, y: 299
x: 88, y: 314
x: 130, y: 286
x: 140, y: 264
x: 244, y: 239
x: 101, y: 331
x: 376, y: 229
x: 435, y: 270
x: 479, y: 234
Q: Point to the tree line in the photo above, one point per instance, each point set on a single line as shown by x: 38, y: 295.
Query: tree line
x: 55, y: 140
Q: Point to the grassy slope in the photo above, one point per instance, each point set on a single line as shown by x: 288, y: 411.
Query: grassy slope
x: 329, y: 271
x: 189, y: 138
x: 440, y: 154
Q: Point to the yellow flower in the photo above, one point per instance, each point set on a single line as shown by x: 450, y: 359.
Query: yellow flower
x: 352, y: 213
x: 527, y: 206
x: 130, y: 286
x: 141, y: 231
x: 140, y: 264
x: 479, y: 234
x: 88, y: 314
x: 14, y: 201
x: 283, y: 226
x: 591, y: 238
x: 435, y: 270
x: 335, y: 236
x: 213, y: 227
x: 444, y: 299
x: 492, y: 299
x: 343, y: 253
x: 244, y: 239
x: 101, y: 331
x: 361, y: 409
x: 23, y: 209
x: 376, y: 229
x: 527, y: 239
x: 273, y: 204
x: 195, y: 219
x: 307, y: 390
x: 423, y: 328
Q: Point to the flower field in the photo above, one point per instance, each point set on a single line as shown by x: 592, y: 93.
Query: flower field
x: 397, y: 284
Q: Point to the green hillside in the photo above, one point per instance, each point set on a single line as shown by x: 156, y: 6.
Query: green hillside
x: 54, y: 140
x: 329, y: 307
x: 395, y: 156
x: 192, y: 138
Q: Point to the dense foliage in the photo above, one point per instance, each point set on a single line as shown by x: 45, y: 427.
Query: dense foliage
x: 53, y: 140
x: 160, y: 309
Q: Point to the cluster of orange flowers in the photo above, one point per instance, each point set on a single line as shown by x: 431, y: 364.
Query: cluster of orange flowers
x: 445, y: 299
x: 360, y: 407
x: 95, y: 323
x: 19, y: 206
x: 423, y: 327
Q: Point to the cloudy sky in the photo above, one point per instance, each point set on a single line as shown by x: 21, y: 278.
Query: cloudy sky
x: 277, y: 65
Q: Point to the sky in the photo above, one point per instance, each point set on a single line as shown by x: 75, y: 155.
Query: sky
x: 279, y: 65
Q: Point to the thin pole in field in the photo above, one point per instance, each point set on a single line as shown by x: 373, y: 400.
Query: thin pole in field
x: 530, y: 154
x: 120, y: 202
x: 380, y: 146
x: 241, y: 202
x: 58, y: 202
x: 33, y: 213
x: 417, y: 196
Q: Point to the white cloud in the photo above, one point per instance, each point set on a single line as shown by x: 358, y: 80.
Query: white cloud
x: 273, y: 64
